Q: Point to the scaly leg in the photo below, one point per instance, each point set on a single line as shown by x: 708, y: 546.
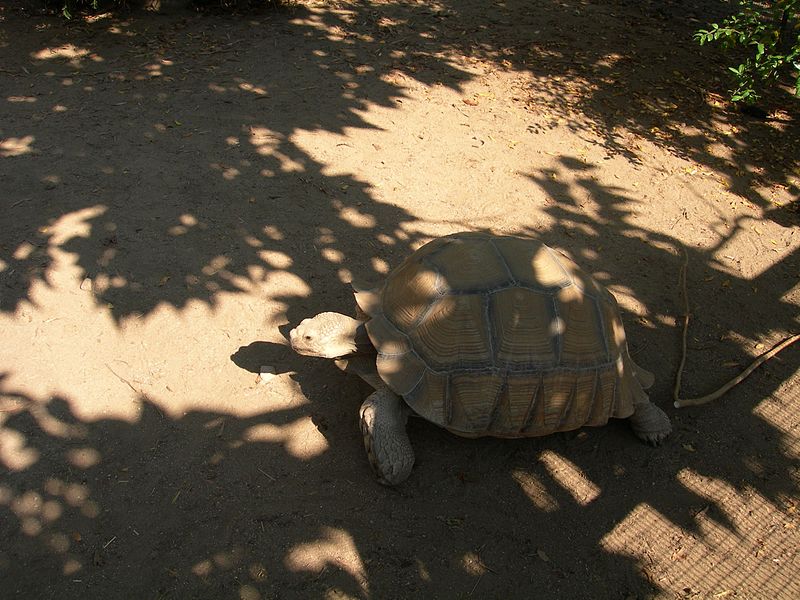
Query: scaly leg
x: 383, y: 424
x: 650, y: 423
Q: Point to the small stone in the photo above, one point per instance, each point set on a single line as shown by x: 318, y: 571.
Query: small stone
x: 266, y: 374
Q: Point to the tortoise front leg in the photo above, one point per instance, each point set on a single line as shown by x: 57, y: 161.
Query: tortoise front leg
x: 383, y: 424
x: 650, y: 423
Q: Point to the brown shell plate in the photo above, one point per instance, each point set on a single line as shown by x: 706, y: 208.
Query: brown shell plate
x: 502, y: 336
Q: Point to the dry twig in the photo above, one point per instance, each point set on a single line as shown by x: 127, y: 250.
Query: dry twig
x: 682, y: 402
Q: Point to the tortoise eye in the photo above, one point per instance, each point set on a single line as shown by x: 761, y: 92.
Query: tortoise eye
x: 308, y: 337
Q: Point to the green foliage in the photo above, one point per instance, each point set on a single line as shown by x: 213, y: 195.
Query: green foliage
x: 769, y: 32
x: 71, y: 6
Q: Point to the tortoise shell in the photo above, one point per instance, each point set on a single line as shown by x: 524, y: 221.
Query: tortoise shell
x: 501, y: 336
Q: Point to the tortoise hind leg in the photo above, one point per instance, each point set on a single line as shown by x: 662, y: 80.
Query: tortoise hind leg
x: 383, y: 425
x: 650, y: 423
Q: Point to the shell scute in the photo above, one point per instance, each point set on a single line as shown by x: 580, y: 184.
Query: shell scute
x: 516, y: 406
x: 452, y: 334
x: 525, y: 329
x: 532, y: 265
x: 480, y: 266
x: 431, y: 398
x: 409, y: 292
x: 582, y: 339
x: 473, y: 398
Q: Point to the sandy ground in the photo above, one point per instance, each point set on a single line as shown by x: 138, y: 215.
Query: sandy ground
x: 178, y: 190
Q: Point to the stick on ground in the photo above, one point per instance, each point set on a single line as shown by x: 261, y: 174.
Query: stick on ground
x: 681, y: 402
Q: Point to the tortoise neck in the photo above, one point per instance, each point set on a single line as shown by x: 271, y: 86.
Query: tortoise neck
x: 361, y: 338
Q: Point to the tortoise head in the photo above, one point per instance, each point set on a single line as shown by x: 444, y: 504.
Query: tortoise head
x: 328, y: 335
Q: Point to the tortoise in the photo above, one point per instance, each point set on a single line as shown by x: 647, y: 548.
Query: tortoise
x: 484, y: 335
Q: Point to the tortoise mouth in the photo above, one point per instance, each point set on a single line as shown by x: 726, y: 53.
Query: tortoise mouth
x: 296, y: 340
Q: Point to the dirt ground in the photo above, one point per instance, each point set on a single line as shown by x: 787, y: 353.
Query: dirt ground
x: 178, y: 190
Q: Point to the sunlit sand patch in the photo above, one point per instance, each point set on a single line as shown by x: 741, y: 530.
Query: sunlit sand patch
x: 473, y: 565
x: 51, y: 511
x: 288, y: 164
x: 326, y: 236
x: 344, y: 275
x: 30, y: 526
x: 357, y: 219
x: 75, y: 224
x: 252, y: 241
x: 187, y: 221
x: 66, y: 51
x: 249, y: 87
x: 715, y: 491
x: 332, y: 255
x: 15, y: 454
x: 204, y: 568
x: 23, y: 251
x: 335, y: 548
x: 228, y: 172
x: 83, y: 458
x: 273, y: 233
x: 380, y: 265
x: 260, y: 136
x: 228, y: 559
x: 27, y: 504
x: 535, y: 491
x: 570, y: 477
x: 776, y: 248
x: 301, y: 439
x: 215, y: 265
x: 715, y: 561
x: 275, y: 259
x: 266, y: 143
x: 153, y: 70
x: 783, y: 417
x: 97, y: 17
x: 16, y: 146
x: 71, y: 566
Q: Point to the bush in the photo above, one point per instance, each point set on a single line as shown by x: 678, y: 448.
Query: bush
x: 770, y: 34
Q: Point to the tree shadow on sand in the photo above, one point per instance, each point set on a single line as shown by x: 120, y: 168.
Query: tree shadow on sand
x: 214, y: 504
x: 196, y: 185
x: 193, y: 186
x: 211, y: 504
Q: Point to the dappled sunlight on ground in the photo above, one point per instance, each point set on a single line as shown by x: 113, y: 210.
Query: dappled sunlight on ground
x: 16, y: 146
x: 570, y: 477
x: 716, y: 560
x: 180, y: 190
x: 335, y: 549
